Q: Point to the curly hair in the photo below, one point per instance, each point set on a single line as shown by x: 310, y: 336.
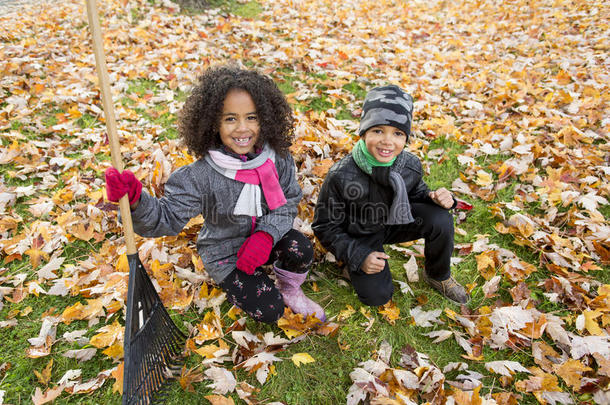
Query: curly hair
x: 200, y: 117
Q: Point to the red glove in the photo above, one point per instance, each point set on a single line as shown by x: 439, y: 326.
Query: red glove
x: 119, y: 184
x: 254, y: 252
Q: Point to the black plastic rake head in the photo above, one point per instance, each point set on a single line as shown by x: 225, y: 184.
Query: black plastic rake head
x: 153, y: 343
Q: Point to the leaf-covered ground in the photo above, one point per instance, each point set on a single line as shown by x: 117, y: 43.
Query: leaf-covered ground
x: 511, y: 113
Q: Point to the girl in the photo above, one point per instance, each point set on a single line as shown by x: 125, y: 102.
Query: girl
x: 239, y: 126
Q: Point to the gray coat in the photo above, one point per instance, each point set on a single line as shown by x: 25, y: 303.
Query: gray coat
x: 198, y: 189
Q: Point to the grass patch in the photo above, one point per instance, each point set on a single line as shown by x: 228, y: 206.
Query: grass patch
x: 250, y: 9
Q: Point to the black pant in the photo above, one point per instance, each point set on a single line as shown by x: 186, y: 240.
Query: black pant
x: 435, y: 225
x: 256, y: 294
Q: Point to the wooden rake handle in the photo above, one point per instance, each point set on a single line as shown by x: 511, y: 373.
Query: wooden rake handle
x: 115, y: 147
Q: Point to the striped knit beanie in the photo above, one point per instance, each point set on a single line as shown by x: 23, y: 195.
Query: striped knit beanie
x: 387, y: 105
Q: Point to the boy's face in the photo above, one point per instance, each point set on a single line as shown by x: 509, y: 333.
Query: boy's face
x: 239, y: 128
x: 384, y: 142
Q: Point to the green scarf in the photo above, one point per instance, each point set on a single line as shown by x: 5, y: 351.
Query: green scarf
x: 365, y: 160
x: 384, y: 175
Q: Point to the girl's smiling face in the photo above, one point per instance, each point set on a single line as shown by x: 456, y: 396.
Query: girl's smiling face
x: 239, y: 127
x: 384, y: 142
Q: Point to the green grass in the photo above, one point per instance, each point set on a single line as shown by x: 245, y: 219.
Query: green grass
x: 251, y: 9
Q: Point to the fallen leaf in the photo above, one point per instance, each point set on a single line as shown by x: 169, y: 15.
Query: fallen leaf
x: 301, y: 358
x: 223, y: 380
x: 45, y: 376
x: 49, y: 395
x: 219, y: 400
x: 390, y: 312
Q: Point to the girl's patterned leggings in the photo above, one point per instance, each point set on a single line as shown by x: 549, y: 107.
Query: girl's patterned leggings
x: 256, y: 294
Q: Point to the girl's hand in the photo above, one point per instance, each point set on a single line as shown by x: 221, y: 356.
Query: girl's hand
x: 119, y: 184
x: 254, y: 252
x: 442, y: 197
x: 374, y: 262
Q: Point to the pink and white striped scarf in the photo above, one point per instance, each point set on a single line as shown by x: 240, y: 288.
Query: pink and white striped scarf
x: 258, y: 171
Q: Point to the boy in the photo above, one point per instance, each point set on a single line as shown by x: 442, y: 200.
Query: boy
x: 376, y: 196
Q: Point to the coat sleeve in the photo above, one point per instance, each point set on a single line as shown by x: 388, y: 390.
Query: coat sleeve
x: 329, y: 227
x: 280, y: 220
x: 167, y: 216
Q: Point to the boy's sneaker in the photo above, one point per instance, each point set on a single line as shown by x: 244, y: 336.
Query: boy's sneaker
x: 449, y: 288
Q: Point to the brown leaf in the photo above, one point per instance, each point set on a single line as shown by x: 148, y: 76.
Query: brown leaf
x: 486, y: 263
x: 219, y: 400
x: 45, y: 376
x: 189, y: 377
x: 322, y: 167
x: 571, y: 372
x: 545, y: 356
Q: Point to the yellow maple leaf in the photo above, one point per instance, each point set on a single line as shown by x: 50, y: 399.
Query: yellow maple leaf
x: 571, y: 372
x: 115, y: 351
x: 216, y: 399
x: 207, y: 351
x: 36, y: 255
x: 302, y: 358
x: 346, y: 313
x: 108, y: 335
x: 486, y: 263
x: 390, y: 312
x: 117, y: 374
x: 294, y: 325
x: 209, y: 328
x: 290, y: 333
x: 591, y: 323
x: 63, y: 196
x: 73, y: 312
x: 122, y: 264
x: 234, y: 312
x: 483, y: 179
x: 82, y: 231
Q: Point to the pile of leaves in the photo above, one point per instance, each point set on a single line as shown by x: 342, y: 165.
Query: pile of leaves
x: 522, y: 85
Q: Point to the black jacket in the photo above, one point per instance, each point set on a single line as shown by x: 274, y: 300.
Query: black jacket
x: 352, y: 205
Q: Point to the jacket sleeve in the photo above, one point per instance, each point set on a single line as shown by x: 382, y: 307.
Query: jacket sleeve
x: 280, y: 220
x: 167, y: 216
x: 328, y: 226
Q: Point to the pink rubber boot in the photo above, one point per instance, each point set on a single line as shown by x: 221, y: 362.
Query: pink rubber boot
x: 289, y: 284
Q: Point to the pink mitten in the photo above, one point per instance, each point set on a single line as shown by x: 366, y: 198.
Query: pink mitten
x: 119, y: 184
x: 254, y: 252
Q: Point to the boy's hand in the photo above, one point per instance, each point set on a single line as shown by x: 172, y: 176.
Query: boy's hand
x: 442, y: 197
x: 374, y: 262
